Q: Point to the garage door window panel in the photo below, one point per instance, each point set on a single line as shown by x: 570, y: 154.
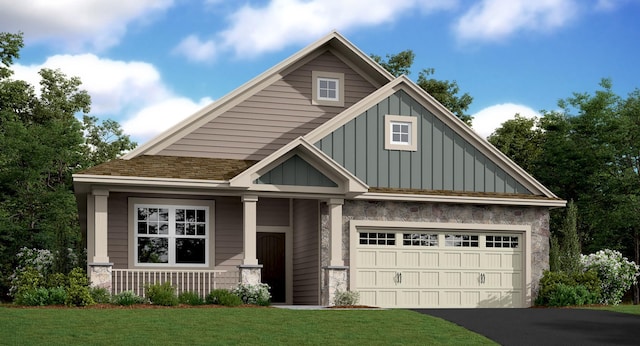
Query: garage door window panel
x: 377, y: 239
x: 501, y: 242
x: 419, y: 239
x: 461, y: 240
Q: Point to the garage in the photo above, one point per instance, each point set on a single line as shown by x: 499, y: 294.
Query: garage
x: 402, y: 267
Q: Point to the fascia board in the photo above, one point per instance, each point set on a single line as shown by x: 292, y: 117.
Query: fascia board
x: 551, y: 203
x: 231, y: 99
x: 144, y: 181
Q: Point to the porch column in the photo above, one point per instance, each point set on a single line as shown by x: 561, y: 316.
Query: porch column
x: 335, y: 274
x: 100, y: 267
x: 335, y: 238
x: 250, y: 270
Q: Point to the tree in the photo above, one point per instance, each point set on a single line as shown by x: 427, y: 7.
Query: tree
x: 521, y: 139
x: 446, y: 92
x: 43, y: 144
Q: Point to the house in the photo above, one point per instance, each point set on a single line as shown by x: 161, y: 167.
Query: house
x: 323, y: 173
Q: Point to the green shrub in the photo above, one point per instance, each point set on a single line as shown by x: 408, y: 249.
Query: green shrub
x: 78, y: 293
x: 57, y: 280
x: 162, y: 294
x: 566, y: 295
x: 127, y: 298
x: 253, y: 294
x: 561, y: 289
x: 346, y: 297
x: 223, y: 297
x: 190, y: 298
x: 100, y: 295
x: 35, y: 297
x: 25, y: 281
x: 57, y: 296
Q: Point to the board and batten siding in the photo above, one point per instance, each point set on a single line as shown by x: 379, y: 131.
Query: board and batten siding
x: 272, y: 117
x: 306, y: 255
x: 295, y: 171
x: 444, y: 160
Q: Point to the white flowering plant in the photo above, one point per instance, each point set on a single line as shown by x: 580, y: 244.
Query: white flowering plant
x: 257, y: 294
x: 615, y: 272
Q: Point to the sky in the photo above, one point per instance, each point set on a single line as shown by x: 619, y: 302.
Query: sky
x: 150, y: 63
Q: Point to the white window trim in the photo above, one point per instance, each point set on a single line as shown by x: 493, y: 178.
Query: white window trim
x: 316, y: 76
x: 209, y: 206
x: 413, y: 132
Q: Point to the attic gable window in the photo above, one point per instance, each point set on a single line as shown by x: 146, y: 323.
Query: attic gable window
x: 327, y: 88
x: 401, y: 132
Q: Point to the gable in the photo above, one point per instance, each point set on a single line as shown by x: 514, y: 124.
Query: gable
x: 444, y: 160
x: 295, y: 171
x: 273, y: 116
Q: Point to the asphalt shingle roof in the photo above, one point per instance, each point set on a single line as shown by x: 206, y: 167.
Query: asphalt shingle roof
x: 175, y: 167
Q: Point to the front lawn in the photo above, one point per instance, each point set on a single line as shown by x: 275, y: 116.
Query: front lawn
x: 624, y: 308
x: 193, y: 326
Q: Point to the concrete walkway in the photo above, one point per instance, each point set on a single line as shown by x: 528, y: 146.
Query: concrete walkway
x: 546, y: 326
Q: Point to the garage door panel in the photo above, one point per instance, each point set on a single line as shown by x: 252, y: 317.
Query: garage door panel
x: 471, y: 260
x: 367, y: 258
x: 387, y: 259
x: 470, y: 280
x: 409, y: 273
x: 430, y: 279
x: 513, y: 280
x: 409, y: 259
x: 451, y: 260
x: 470, y: 298
x: 411, y: 278
x: 451, y: 279
x: 367, y: 278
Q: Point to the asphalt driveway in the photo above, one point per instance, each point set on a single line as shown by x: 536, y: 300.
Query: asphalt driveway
x: 546, y: 326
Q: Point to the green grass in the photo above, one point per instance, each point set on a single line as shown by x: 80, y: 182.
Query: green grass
x: 626, y: 308
x: 199, y: 326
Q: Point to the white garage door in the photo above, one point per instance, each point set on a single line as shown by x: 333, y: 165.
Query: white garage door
x: 439, y: 269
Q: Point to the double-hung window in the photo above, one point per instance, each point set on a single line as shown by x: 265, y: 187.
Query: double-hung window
x: 168, y: 235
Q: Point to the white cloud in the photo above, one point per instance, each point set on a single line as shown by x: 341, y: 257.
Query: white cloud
x: 489, y: 119
x: 492, y: 20
x: 260, y: 29
x: 114, y: 85
x: 158, y: 117
x: 195, y: 49
x: 76, y: 23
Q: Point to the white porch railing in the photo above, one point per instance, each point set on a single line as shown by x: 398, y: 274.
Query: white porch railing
x: 199, y: 281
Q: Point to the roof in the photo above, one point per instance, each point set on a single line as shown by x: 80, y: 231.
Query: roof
x: 377, y: 75
x: 172, y: 167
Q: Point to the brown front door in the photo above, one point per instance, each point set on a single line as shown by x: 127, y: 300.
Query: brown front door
x: 271, y: 254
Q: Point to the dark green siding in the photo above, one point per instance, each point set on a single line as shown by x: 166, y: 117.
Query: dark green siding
x: 295, y: 171
x: 444, y: 160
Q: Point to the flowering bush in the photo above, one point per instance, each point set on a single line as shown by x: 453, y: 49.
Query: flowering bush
x: 253, y: 294
x: 346, y: 297
x: 616, y: 273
